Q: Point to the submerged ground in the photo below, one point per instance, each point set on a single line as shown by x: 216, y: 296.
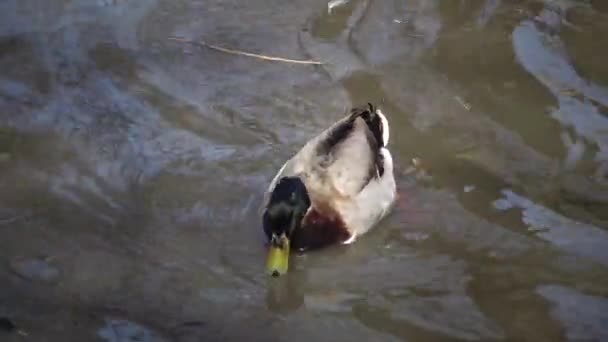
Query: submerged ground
x: 132, y: 168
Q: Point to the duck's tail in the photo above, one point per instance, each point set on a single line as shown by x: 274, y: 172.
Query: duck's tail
x: 377, y: 133
x: 375, y: 120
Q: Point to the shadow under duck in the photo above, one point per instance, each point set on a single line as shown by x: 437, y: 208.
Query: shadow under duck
x: 337, y: 187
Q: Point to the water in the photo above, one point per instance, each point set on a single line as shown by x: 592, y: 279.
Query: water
x: 133, y: 167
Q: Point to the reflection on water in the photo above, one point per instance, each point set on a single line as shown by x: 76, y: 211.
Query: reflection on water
x: 133, y: 168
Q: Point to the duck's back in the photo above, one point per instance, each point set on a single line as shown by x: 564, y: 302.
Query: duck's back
x: 344, y: 158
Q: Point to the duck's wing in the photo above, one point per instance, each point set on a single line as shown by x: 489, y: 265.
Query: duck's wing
x: 345, y: 158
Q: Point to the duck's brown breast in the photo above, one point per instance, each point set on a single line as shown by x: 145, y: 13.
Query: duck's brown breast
x: 321, y: 227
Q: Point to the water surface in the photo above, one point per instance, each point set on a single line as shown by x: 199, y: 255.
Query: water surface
x: 132, y: 169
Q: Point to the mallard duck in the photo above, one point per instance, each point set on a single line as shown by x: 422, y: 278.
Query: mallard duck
x: 335, y: 188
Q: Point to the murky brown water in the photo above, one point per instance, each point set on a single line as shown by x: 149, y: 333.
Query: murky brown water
x: 132, y: 169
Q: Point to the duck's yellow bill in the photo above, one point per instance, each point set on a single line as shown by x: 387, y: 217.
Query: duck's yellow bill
x: 278, y: 260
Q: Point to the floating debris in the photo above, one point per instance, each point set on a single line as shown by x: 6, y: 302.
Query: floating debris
x: 462, y: 102
x: 468, y: 188
x: 244, y: 53
x: 419, y: 170
x: 415, y: 166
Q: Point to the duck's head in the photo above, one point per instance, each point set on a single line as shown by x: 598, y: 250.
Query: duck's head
x: 286, y: 208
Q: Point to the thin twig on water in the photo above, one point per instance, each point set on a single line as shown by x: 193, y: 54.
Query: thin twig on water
x: 243, y: 53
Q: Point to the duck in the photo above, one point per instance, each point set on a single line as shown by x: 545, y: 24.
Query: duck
x: 337, y: 187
